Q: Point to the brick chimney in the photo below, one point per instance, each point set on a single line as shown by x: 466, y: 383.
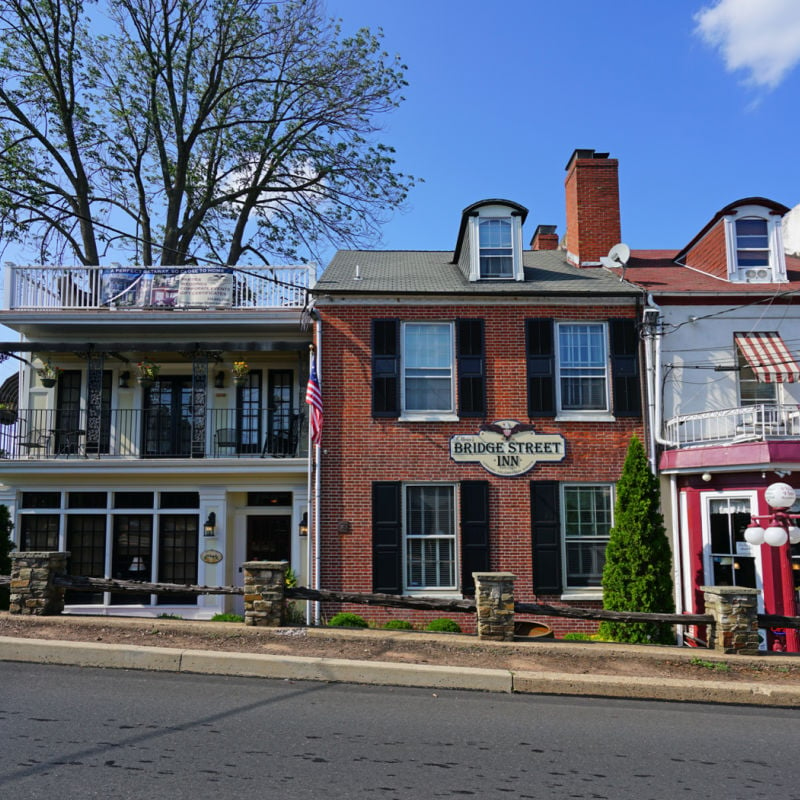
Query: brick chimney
x: 545, y: 238
x: 593, y: 223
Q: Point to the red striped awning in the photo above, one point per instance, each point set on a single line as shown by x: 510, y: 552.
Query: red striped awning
x: 769, y: 357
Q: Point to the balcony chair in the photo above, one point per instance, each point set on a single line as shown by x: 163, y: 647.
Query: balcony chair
x: 36, y: 442
x: 225, y: 438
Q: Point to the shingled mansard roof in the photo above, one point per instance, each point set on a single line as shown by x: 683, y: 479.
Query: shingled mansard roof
x: 413, y: 272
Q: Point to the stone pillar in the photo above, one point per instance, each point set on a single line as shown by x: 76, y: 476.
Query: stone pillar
x: 494, y: 596
x: 263, y: 592
x: 32, y: 587
x: 735, y: 612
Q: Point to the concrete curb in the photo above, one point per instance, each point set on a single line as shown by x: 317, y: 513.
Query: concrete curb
x: 383, y: 673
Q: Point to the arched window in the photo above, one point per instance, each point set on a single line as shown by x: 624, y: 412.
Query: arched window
x: 496, y: 253
x: 752, y: 243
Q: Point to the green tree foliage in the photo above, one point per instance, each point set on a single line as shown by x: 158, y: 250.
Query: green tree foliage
x: 164, y: 131
x: 6, y: 546
x: 637, y: 575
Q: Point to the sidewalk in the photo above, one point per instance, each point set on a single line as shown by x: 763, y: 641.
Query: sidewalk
x: 582, y: 677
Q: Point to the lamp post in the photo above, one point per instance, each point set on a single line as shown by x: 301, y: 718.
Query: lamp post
x: 779, y: 529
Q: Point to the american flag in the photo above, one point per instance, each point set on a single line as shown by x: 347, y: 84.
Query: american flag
x: 314, y: 399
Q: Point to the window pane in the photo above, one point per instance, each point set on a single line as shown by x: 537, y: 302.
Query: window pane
x: 582, y: 365
x: 430, y: 537
x: 495, y: 249
x: 587, y: 523
x: 428, y: 356
x: 39, y: 532
x: 86, y: 543
x: 177, y: 555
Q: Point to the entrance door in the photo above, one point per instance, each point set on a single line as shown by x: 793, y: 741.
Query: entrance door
x: 731, y: 560
x: 269, y: 538
x: 168, y: 418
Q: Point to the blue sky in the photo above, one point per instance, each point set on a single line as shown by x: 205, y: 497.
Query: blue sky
x: 699, y: 100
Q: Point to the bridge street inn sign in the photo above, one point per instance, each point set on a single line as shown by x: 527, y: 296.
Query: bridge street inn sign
x: 507, y: 447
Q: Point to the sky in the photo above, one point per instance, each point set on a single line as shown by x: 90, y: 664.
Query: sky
x: 698, y: 99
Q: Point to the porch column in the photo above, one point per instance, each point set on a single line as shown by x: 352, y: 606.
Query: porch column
x: 735, y: 612
x: 32, y: 588
x: 263, y: 592
x: 494, y: 596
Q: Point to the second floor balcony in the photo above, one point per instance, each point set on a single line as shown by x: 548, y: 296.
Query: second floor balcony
x: 752, y: 423
x: 154, y: 433
x: 115, y: 288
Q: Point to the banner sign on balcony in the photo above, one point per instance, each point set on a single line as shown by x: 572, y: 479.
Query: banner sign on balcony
x: 167, y: 287
x: 507, y: 447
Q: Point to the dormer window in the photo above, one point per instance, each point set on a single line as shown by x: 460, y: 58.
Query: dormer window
x: 752, y: 243
x: 489, y: 243
x: 496, y: 250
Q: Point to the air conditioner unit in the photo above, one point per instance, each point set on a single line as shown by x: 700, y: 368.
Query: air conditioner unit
x: 753, y: 275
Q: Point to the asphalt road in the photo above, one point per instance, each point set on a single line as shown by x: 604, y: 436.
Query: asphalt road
x: 87, y: 733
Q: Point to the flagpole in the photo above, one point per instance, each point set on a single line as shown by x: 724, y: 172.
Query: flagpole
x: 312, y: 517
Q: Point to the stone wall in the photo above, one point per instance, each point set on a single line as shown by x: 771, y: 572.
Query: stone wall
x: 264, y: 592
x: 32, y: 587
x: 494, y: 596
x: 735, y: 610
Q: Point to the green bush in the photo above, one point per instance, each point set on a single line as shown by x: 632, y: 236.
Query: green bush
x: 347, y: 620
x: 576, y: 636
x: 637, y: 575
x: 169, y: 616
x: 227, y: 618
x: 443, y: 625
x: 398, y: 625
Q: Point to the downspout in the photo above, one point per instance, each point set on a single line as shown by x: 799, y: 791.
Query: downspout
x: 655, y: 388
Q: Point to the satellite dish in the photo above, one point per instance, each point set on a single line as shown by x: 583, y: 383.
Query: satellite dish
x: 617, y: 256
x: 620, y: 253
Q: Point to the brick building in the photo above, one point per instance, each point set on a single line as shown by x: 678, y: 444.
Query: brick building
x: 478, y: 405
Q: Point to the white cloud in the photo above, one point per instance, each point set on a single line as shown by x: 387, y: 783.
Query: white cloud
x: 761, y: 36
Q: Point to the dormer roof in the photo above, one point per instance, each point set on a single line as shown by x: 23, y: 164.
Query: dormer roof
x: 515, y: 209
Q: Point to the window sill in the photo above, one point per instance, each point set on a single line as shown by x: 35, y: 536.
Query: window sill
x: 585, y: 416
x: 446, y: 417
x: 583, y: 594
x: 434, y: 594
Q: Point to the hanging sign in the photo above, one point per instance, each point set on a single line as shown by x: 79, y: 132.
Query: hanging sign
x: 507, y: 447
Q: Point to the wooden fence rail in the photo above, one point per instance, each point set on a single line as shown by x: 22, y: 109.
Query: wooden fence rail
x: 401, y: 601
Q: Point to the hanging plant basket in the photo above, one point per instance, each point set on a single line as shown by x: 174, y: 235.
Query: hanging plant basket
x: 239, y: 380
x: 7, y: 417
x: 145, y: 383
x: 48, y: 383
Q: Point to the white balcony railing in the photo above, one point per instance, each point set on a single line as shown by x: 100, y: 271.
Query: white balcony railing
x: 152, y: 433
x: 94, y: 288
x: 733, y: 425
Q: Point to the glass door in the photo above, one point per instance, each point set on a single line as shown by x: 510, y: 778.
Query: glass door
x: 168, y: 418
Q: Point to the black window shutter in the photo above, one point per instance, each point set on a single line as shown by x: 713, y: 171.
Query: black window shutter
x: 546, y: 533
x: 540, y: 354
x: 470, y: 349
x: 385, y: 368
x: 387, y: 538
x: 625, y: 368
x: 474, y: 532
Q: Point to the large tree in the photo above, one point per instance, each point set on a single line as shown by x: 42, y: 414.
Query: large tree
x: 637, y: 575
x: 162, y: 131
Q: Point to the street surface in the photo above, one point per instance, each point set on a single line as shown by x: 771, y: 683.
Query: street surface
x: 86, y: 733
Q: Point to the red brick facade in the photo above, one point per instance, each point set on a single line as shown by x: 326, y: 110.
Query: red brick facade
x: 360, y: 449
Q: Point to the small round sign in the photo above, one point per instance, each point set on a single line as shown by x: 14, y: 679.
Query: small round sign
x: 780, y: 495
x: 211, y: 556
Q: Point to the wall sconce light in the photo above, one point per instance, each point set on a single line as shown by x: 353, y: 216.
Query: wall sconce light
x: 124, y: 377
x: 303, y: 527
x: 706, y: 476
x: 219, y: 380
x: 210, y: 525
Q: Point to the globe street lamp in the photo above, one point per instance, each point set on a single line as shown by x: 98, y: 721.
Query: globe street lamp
x: 776, y: 529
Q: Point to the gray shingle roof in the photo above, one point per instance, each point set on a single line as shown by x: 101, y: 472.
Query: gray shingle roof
x: 431, y: 272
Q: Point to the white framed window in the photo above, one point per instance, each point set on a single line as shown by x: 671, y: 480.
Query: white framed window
x: 429, y: 527
x: 496, y: 248
x: 428, y: 356
x: 587, y: 519
x: 752, y: 242
x: 582, y: 367
x: 752, y: 391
